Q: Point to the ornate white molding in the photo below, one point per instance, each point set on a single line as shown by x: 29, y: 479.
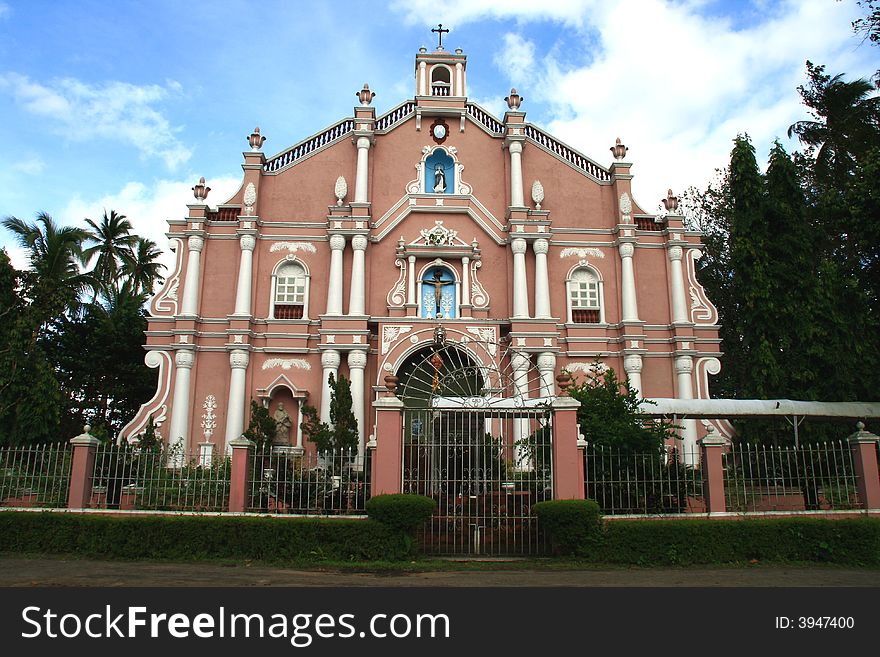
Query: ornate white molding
x: 341, y: 190
x: 588, y: 368
x: 165, y: 302
x: 581, y: 252
x: 293, y: 247
x: 702, y: 311
x: 537, y: 194
x: 439, y: 235
x: 250, y: 198
x: 390, y: 335
x: 397, y: 294
x: 286, y: 364
x: 486, y: 336
x: 417, y: 186
x: 156, y: 406
x: 209, y: 419
x: 626, y: 207
x: 479, y: 296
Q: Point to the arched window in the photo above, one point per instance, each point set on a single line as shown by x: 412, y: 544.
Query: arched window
x: 439, y: 294
x: 290, y: 293
x: 441, y: 81
x: 584, y: 290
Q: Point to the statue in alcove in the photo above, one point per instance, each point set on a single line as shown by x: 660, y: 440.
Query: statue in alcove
x: 282, y: 425
x: 439, y: 179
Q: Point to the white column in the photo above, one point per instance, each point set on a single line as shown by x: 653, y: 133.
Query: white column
x: 628, y: 283
x: 459, y: 79
x: 684, y: 368
x: 547, y: 369
x: 299, y: 421
x: 520, y: 283
x: 356, y: 295
x: 357, y: 361
x: 178, y: 429
x: 520, y: 362
x: 411, y: 281
x: 465, y: 281
x: 542, y: 281
x: 238, y: 362
x: 632, y: 363
x: 190, y: 305
x: 516, y: 185
x: 330, y: 365
x: 679, y: 304
x: 423, y: 76
x: 334, y: 284
x: 360, y: 183
x: 245, y: 272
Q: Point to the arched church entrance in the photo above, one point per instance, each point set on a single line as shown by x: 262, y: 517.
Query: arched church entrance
x: 477, y: 439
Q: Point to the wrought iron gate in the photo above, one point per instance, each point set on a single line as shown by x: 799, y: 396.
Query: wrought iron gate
x: 478, y: 441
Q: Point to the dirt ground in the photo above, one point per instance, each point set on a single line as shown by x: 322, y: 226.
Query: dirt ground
x: 15, y: 571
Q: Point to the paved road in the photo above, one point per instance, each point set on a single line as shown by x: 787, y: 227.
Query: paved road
x: 81, y: 572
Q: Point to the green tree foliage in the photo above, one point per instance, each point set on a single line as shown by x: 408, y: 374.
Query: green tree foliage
x: 610, y: 414
x: 261, y: 428
x: 342, y: 431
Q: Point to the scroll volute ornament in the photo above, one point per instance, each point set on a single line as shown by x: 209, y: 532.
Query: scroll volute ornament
x: 200, y: 191
x: 514, y: 100
x: 619, y: 150
x: 256, y: 140
x: 670, y: 203
x: 365, y: 96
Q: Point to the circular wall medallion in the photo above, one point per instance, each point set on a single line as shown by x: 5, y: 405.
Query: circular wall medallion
x: 439, y: 130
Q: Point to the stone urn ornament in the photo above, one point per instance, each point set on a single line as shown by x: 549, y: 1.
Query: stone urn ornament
x: 200, y: 191
x: 256, y: 140
x: 341, y: 190
x: 537, y: 194
x: 514, y: 100
x: 619, y: 150
x: 365, y: 96
x: 670, y: 203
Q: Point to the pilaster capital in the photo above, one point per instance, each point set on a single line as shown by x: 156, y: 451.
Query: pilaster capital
x: 675, y: 253
x: 330, y: 359
x: 184, y: 358
x: 239, y: 359
x: 546, y: 361
x: 515, y: 146
x: 247, y: 242
x: 195, y: 243
x: 518, y: 246
x: 337, y: 242
x: 359, y: 243
x: 684, y: 364
x: 541, y: 246
x: 626, y: 250
x: 357, y: 359
x: 363, y: 142
x: 520, y: 361
x: 632, y: 363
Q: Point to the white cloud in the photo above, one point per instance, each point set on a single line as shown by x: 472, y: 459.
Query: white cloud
x: 31, y: 165
x: 674, y: 83
x: 115, y: 111
x: 149, y: 206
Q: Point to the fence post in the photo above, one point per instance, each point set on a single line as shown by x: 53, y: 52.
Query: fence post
x: 711, y: 447
x: 568, y: 476
x: 238, y: 477
x: 387, y: 442
x: 864, y: 451
x: 85, y: 446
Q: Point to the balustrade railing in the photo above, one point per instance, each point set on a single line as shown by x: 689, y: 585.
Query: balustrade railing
x: 333, y: 133
x: 566, y: 153
x: 485, y: 119
x: 394, y: 116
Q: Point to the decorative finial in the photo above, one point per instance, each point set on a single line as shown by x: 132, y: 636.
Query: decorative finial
x: 200, y: 191
x: 563, y: 380
x: 514, y: 100
x: 619, y: 150
x: 365, y: 95
x: 256, y: 140
x: 440, y: 31
x: 88, y: 427
x: 859, y: 426
x: 670, y: 202
x: 537, y: 194
x: 340, y: 190
x: 391, y: 384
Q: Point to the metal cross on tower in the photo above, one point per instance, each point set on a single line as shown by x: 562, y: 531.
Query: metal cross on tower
x: 439, y: 30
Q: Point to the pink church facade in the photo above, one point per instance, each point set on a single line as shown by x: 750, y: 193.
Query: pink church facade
x: 343, y: 253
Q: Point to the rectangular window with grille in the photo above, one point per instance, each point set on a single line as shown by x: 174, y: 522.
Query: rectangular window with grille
x: 584, y: 299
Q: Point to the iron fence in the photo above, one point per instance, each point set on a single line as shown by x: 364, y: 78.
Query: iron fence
x: 485, y: 468
x: 126, y: 477
x: 818, y: 477
x: 37, y: 476
x: 326, y: 483
x: 659, y: 482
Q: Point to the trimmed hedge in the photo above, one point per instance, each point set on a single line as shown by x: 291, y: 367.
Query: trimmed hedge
x: 573, y: 526
x: 399, y: 511
x: 850, y: 542
x: 202, y: 537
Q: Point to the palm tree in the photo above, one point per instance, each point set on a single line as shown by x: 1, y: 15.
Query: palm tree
x: 54, y: 253
x: 848, y: 124
x: 140, y: 267
x: 108, y: 241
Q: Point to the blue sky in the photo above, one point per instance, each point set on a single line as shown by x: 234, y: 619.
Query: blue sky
x: 125, y: 104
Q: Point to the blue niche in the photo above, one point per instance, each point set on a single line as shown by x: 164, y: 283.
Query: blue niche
x: 439, y: 173
x: 438, y: 282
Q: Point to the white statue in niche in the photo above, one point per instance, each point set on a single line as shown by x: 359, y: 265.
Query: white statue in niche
x: 439, y: 179
x: 282, y: 426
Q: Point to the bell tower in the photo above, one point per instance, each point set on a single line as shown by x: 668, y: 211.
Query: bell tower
x: 441, y: 73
